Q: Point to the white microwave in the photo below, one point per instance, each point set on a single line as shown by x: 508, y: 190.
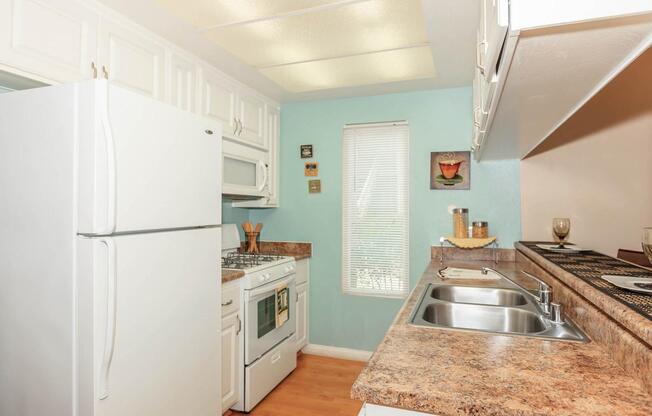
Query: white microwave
x: 245, y: 171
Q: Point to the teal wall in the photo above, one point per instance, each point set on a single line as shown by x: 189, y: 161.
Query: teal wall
x: 232, y: 215
x: 439, y: 120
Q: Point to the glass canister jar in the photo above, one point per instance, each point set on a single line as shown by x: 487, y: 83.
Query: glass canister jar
x: 480, y: 229
x: 461, y: 222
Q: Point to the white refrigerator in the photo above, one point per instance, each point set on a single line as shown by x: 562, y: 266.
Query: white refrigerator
x: 110, y: 205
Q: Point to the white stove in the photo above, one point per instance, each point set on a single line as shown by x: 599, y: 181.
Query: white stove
x: 268, y: 351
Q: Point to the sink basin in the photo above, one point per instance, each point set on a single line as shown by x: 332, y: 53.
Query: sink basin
x: 483, y: 318
x: 479, y: 295
x: 488, y: 309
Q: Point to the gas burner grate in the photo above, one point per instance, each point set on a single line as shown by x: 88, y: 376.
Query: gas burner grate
x: 248, y: 260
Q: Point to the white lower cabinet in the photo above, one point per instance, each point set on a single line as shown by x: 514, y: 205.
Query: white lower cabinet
x: 302, y: 321
x: 231, y: 334
x: 302, y: 315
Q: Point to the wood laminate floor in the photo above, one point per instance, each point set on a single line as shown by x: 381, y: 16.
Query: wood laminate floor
x: 318, y: 386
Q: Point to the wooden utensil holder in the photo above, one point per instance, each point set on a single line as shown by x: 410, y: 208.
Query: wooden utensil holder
x: 252, y: 245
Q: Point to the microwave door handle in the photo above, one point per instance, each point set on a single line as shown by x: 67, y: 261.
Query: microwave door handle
x: 111, y: 315
x: 263, y: 168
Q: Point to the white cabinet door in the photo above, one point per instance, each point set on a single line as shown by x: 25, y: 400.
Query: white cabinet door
x: 219, y: 101
x: 55, y: 40
x: 231, y: 326
x: 302, y: 316
x: 495, y: 15
x: 183, y: 82
x: 251, y: 113
x: 132, y: 59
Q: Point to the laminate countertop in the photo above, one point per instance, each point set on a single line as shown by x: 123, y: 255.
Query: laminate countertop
x: 229, y: 275
x: 452, y: 372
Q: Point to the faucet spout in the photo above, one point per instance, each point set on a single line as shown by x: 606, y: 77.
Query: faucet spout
x: 544, y: 291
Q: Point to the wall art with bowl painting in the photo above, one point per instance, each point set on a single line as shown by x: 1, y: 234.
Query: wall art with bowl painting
x: 450, y: 170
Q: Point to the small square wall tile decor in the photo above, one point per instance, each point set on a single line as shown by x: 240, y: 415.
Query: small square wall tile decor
x: 305, y: 151
x: 314, y: 186
x: 311, y: 169
x: 450, y: 170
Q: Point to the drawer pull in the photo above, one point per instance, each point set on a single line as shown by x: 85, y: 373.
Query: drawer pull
x: 228, y: 302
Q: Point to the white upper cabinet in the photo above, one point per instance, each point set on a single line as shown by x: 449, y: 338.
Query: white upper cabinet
x: 541, y: 61
x: 243, y: 114
x: 251, y: 115
x: 218, y: 100
x: 183, y: 82
x: 495, y: 21
x: 55, y: 40
x: 132, y: 59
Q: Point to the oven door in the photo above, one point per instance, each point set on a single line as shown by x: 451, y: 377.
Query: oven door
x: 261, y: 331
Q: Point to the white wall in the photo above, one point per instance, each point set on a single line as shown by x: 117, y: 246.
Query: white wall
x: 597, y: 168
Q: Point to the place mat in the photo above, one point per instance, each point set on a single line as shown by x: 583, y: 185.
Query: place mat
x: 591, y: 265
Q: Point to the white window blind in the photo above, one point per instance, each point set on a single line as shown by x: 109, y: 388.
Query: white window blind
x: 375, y: 210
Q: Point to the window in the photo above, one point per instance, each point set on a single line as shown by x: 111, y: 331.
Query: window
x: 375, y: 207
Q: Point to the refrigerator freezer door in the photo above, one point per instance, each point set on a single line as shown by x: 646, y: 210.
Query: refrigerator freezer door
x: 157, y: 322
x: 145, y: 165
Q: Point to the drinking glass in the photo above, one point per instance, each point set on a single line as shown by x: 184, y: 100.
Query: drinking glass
x: 561, y: 228
x: 647, y: 242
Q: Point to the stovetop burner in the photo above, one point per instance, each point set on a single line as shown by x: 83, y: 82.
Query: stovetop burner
x: 248, y: 260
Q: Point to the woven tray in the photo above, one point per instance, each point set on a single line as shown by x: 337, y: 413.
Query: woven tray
x: 470, y: 242
x: 590, y: 265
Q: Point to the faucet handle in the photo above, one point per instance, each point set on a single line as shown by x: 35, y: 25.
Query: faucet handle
x: 555, y: 313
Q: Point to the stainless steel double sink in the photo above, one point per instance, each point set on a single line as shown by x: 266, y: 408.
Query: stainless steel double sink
x: 490, y: 309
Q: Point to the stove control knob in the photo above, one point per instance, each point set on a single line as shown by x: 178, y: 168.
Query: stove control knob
x: 261, y: 278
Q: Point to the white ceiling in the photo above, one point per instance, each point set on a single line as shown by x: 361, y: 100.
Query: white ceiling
x: 312, y: 49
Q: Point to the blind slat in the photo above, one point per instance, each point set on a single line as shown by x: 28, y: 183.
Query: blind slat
x: 375, y: 209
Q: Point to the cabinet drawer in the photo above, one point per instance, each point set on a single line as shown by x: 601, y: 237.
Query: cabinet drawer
x: 269, y: 371
x: 230, y: 299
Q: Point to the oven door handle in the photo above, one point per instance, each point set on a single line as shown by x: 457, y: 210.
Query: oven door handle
x: 269, y: 287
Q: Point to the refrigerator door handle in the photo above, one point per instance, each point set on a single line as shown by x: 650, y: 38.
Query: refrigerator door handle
x: 111, y: 314
x: 103, y: 93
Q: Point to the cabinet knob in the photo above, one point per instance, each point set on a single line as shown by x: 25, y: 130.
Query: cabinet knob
x: 94, y: 69
x: 105, y: 72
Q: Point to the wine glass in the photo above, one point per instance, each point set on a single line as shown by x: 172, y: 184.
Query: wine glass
x: 647, y: 242
x: 561, y: 228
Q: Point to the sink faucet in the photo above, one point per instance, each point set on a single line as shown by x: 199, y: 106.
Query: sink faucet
x: 544, y: 293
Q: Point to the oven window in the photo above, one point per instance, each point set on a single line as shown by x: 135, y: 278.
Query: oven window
x: 266, y: 315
